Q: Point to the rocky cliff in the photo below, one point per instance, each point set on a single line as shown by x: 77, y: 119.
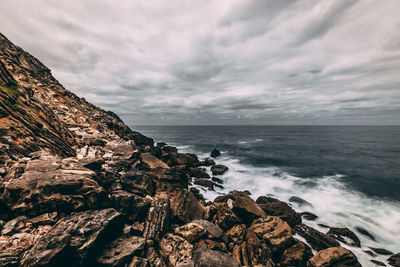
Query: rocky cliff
x: 79, y: 188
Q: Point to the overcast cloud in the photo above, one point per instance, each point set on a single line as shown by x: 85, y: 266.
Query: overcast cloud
x: 220, y: 62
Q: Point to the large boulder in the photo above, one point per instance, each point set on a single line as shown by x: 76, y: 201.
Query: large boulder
x: 191, y: 231
x: 278, y: 208
x: 151, y: 162
x: 133, y: 206
x: 335, y: 257
x: 47, y: 186
x: 76, y: 239
x: 199, y: 173
x: 210, y: 258
x: 219, y: 169
x: 212, y: 231
x: 247, y: 209
x: 315, y: 238
x: 344, y: 235
x: 215, y: 153
x: 225, y: 218
x: 121, y: 251
x: 158, y: 219
x: 296, y: 255
x: 186, y: 207
x: 173, y: 159
x: 276, y: 232
x: 138, y: 182
x: 175, y: 249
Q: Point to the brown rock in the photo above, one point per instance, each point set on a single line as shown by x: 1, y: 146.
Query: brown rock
x: 211, y: 244
x: 252, y: 251
x: 237, y: 233
x: 186, y: 207
x: 212, y: 231
x: 344, y: 235
x: 175, y: 249
x: 151, y: 162
x: 247, y: 209
x: 44, y: 219
x: 215, y: 153
x: 335, y: 257
x: 75, y: 239
x: 14, y: 225
x: 280, y: 209
x: 173, y: 159
x: 139, y: 262
x: 199, y: 173
x: 133, y: 206
x: 219, y: 169
x: 207, y: 162
x: 191, y: 231
x: 394, y: 260
x: 138, y: 182
x: 276, y: 232
x: 316, y: 239
x: 211, y: 258
x: 225, y: 218
x: 158, y: 220
x: 296, y: 255
x: 120, y: 251
x: 205, y: 183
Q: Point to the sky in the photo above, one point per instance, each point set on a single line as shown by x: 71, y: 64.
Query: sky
x: 220, y: 62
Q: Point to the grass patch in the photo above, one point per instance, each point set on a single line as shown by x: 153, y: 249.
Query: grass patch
x: 11, y: 88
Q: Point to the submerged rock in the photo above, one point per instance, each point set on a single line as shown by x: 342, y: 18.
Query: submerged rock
x: 394, y: 260
x: 215, y: 153
x: 315, y: 238
x: 219, y: 169
x: 344, y: 235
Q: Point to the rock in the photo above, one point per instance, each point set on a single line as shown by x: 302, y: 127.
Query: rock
x: 8, y: 259
x: 296, y: 255
x: 186, y: 208
x: 215, y: 153
x: 378, y: 263
x: 199, y: 173
x: 156, y: 151
x: 139, y: 262
x: 212, y: 231
x: 14, y: 225
x: 139, y: 183
x: 151, y: 162
x: 247, y: 209
x: 219, y: 169
x: 93, y: 164
x: 173, y: 159
x: 217, y: 180
x: 365, y: 233
x: 276, y: 232
x: 142, y: 140
x: 175, y: 249
x: 394, y: 260
x: 280, y: 209
x: 225, y: 218
x: 158, y: 220
x: 120, y: 251
x: 211, y: 258
x: 207, y: 162
x: 252, y: 251
x: 211, y: 244
x: 44, y: 219
x: 237, y: 233
x: 309, y: 216
x: 381, y: 251
x: 133, y: 206
x: 154, y: 258
x: 168, y: 150
x: 344, y: 235
x: 196, y: 193
x: 205, y: 183
x: 44, y: 187
x: 75, y: 239
x: 299, y: 201
x: 335, y: 256
x: 316, y: 239
x: 191, y: 231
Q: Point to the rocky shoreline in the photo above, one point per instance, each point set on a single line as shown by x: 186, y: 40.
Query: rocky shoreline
x: 79, y: 188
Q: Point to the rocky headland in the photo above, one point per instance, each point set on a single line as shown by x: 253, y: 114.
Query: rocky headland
x: 78, y: 187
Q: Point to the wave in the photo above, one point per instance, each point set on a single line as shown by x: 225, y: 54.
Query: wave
x: 331, y: 200
x: 257, y: 140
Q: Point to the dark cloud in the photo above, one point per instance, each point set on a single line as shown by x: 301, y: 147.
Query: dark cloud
x: 220, y: 62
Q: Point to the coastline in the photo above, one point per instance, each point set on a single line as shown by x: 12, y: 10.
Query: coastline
x: 79, y: 187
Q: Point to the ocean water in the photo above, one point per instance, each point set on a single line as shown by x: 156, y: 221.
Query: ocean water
x: 350, y: 175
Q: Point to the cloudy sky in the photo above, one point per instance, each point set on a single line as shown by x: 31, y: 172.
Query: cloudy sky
x: 220, y: 62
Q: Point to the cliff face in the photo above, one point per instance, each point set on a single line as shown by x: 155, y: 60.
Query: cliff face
x: 79, y: 188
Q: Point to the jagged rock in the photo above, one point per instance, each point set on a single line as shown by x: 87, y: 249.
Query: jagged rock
x: 378, y: 263
x: 138, y: 182
x: 45, y: 188
x: 207, y: 162
x: 225, y: 218
x: 186, y: 208
x: 199, y: 173
x: 191, y: 231
x: 211, y: 244
x: 219, y: 169
x: 9, y: 259
x: 335, y: 257
x: 44, y: 219
x: 309, y: 216
x: 196, y: 193
x: 14, y: 225
x: 381, y: 251
x: 299, y: 201
x: 139, y: 262
x: 237, y: 233
x: 252, y: 251
x: 217, y: 180
x: 168, y: 149
x: 247, y: 209
x: 75, y: 239
x: 344, y: 235
x: 151, y: 162
x: 394, y: 260
x: 173, y: 159
x: 281, y: 209
x: 158, y: 220
x: 93, y: 164
x: 120, y: 251
x: 135, y: 207
x: 175, y: 249
x: 155, y: 259
x: 365, y: 233
x: 205, y: 183
x: 156, y: 151
x: 296, y: 255
x: 276, y: 232
x: 210, y: 258
x: 316, y: 239
x: 213, y: 231
x: 142, y: 140
x: 215, y: 153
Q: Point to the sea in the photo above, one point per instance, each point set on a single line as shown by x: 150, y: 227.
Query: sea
x: 349, y: 176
